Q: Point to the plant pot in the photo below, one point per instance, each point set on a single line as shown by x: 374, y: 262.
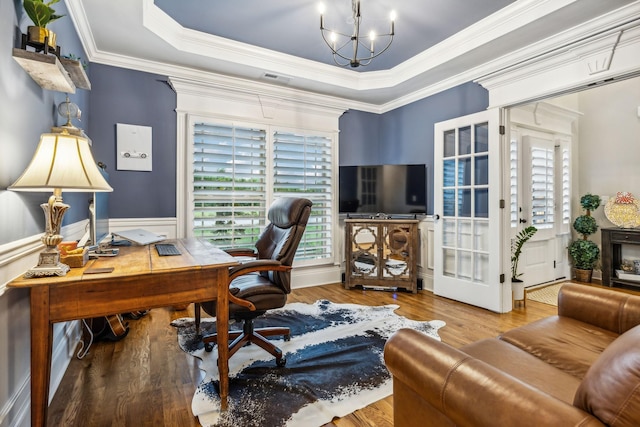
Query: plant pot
x: 517, y: 288
x: 583, y: 275
x: 38, y: 35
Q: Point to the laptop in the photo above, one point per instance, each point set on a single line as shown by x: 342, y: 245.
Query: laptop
x: 139, y: 236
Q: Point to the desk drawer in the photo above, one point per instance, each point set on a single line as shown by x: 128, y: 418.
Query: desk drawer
x: 623, y: 236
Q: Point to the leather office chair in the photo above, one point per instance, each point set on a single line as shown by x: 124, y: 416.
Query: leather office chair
x: 264, y: 283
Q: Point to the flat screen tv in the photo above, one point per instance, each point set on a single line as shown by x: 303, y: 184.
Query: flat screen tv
x: 388, y: 189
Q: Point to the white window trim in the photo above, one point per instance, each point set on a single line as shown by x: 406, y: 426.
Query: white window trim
x: 258, y: 105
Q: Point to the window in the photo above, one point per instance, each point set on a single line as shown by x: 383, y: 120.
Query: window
x: 542, y: 186
x: 239, y: 170
x: 229, y: 182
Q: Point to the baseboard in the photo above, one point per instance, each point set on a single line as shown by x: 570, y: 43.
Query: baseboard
x: 304, y: 277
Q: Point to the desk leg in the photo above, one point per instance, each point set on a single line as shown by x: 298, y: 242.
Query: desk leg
x: 222, y: 329
x: 41, y: 336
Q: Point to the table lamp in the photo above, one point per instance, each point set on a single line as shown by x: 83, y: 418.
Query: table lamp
x: 62, y: 162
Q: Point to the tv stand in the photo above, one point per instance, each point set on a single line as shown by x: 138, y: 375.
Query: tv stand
x: 381, y: 253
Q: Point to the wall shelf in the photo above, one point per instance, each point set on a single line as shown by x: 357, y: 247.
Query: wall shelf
x: 51, y: 73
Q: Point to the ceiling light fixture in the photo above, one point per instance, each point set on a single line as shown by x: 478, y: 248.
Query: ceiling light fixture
x: 339, y: 42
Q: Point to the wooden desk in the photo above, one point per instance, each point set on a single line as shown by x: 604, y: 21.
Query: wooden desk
x: 140, y: 280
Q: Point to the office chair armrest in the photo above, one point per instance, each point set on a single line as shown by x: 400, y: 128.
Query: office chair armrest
x: 253, y: 267
x: 256, y: 266
x: 241, y: 252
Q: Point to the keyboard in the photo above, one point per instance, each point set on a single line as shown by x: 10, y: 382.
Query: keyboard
x: 167, y: 249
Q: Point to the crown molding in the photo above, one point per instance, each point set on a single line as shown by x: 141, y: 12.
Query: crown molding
x: 432, y: 61
x: 601, y: 58
x: 619, y: 20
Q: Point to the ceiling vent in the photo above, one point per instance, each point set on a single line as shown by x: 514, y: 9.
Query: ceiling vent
x: 275, y: 78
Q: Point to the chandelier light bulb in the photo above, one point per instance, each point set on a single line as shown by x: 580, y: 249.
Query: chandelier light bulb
x: 333, y: 37
x: 393, y: 21
x: 344, y: 45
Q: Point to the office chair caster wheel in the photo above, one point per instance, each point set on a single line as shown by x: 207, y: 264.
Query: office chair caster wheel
x: 281, y: 362
x: 208, y: 347
x: 287, y: 337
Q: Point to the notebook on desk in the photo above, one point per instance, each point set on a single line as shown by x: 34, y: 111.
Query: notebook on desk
x: 139, y: 236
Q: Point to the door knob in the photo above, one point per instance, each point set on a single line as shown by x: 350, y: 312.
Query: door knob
x: 523, y: 221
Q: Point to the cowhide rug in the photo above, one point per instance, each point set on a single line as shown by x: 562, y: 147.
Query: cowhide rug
x: 334, y: 366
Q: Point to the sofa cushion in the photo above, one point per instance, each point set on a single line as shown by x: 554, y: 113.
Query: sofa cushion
x: 565, y: 343
x: 525, y: 367
x: 611, y: 388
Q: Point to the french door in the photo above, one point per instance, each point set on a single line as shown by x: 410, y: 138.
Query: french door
x: 469, y: 250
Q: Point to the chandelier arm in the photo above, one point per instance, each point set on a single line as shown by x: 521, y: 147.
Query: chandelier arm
x: 336, y: 52
x: 323, y: 30
x: 368, y: 59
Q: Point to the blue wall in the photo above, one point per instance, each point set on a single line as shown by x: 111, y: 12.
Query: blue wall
x: 137, y: 98
x: 26, y: 111
x: 405, y: 135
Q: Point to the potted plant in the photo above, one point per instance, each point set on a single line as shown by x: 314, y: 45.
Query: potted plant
x: 517, y: 285
x: 584, y: 252
x: 41, y: 14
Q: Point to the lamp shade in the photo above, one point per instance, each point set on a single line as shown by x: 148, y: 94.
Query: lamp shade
x: 62, y: 161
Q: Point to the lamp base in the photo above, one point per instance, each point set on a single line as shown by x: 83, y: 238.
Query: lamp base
x: 48, y: 265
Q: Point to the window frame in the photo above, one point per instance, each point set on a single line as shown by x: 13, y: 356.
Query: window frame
x: 270, y: 195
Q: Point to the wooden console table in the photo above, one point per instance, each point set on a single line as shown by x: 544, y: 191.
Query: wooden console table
x: 382, y: 253
x: 141, y: 279
x: 612, y: 241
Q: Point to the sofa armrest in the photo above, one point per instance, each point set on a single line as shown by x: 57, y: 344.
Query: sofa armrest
x: 612, y: 310
x: 468, y: 391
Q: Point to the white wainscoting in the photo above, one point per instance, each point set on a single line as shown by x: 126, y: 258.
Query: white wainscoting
x: 15, y: 258
x: 15, y: 344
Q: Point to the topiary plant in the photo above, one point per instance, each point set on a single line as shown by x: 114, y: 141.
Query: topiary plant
x: 584, y: 252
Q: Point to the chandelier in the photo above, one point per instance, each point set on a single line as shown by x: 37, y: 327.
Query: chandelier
x: 342, y: 44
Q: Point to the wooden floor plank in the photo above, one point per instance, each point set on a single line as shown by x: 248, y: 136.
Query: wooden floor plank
x: 146, y: 380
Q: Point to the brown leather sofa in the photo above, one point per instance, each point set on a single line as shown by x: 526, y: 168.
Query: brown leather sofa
x: 579, y: 368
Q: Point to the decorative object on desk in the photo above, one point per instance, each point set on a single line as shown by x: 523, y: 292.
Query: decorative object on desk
x: 349, y: 42
x: 334, y: 366
x: 584, y: 252
x: 623, y: 210
x: 62, y: 162
x: 41, y: 13
x: 72, y: 255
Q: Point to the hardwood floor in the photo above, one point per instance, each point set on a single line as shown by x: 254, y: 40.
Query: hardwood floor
x: 146, y: 380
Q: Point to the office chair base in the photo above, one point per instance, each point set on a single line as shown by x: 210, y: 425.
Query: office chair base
x: 256, y: 336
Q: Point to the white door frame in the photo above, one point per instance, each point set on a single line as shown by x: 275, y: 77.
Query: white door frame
x: 470, y: 252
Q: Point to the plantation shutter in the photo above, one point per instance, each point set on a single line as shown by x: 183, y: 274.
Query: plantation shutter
x: 229, y: 184
x: 513, y: 181
x: 302, y: 167
x: 542, y: 175
x: 565, y: 156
